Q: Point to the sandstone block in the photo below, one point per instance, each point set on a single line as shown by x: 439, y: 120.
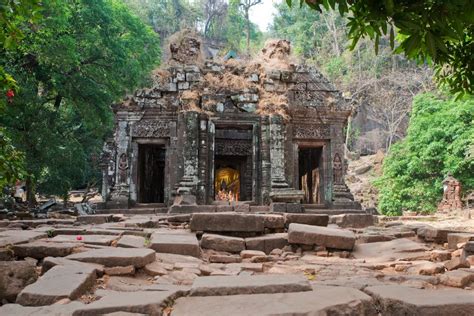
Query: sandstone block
x: 58, y: 283
x: 322, y: 236
x: 456, y: 263
x: 222, y: 243
x: 246, y: 254
x: 130, y: 241
x: 267, y: 243
x: 14, y: 277
x: 457, y: 278
x: 120, y: 270
x: 40, y: 249
x: 176, y: 243
x: 321, y: 301
x: 307, y: 219
x: 353, y: 220
x: 235, y: 285
x: 224, y: 259
x: 273, y: 221
x: 227, y: 222
x: 456, y: 238
x: 112, y: 257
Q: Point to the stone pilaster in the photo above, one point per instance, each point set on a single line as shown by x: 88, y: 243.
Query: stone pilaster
x: 280, y: 190
x: 186, y: 192
x: 121, y: 191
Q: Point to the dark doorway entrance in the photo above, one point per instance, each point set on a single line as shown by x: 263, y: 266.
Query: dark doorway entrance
x: 151, y: 168
x: 310, y: 174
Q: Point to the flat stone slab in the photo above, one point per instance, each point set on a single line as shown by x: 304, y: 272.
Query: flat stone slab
x: 222, y: 243
x: 403, y: 300
x: 254, y: 284
x: 385, y: 251
x: 307, y: 219
x: 14, y: 277
x: 267, y: 242
x: 58, y: 283
x: 227, y: 222
x: 116, y: 257
x: 353, y: 220
x: 13, y: 237
x: 324, y: 300
x: 180, y: 244
x: 101, y: 240
x: 322, y: 236
x: 144, y: 302
x: 130, y: 241
x: 56, y: 310
x: 41, y: 249
x: 95, y: 219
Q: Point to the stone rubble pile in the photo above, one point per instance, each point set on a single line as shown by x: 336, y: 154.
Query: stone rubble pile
x: 263, y: 263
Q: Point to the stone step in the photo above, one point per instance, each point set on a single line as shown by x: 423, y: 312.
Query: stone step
x: 333, y: 211
x: 114, y: 257
x: 56, y: 309
x: 176, y: 243
x: 130, y: 241
x: 403, y: 300
x: 267, y: 243
x: 68, y: 281
x: 255, y: 284
x: 323, y: 300
x: 101, y: 240
x: 222, y: 243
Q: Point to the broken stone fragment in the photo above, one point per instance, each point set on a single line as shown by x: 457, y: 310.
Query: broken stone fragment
x: 456, y: 263
x: 14, y: 277
x: 40, y: 249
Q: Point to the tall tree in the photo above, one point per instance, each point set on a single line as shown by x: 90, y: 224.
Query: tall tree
x: 72, y: 66
x: 438, y: 31
x: 247, y: 5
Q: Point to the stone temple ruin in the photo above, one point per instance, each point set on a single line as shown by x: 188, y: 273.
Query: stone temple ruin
x: 264, y: 132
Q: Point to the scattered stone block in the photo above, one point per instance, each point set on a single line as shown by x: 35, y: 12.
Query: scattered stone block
x: 404, y: 300
x: 273, y: 221
x: 180, y: 209
x: 235, y: 285
x: 368, y: 238
x: 426, y: 268
x: 307, y: 219
x: 60, y: 282
x: 176, y: 243
x: 224, y: 259
x: 321, y: 301
x: 267, y: 242
x: 39, y: 249
x: 322, y: 236
x: 181, y: 218
x: 222, y: 243
x: 242, y: 207
x: 95, y: 219
x: 227, y: 222
x: 101, y: 240
x: 246, y: 254
x: 14, y: 277
x: 56, y: 309
x: 469, y: 246
x: 439, y: 236
x: 456, y: 263
x: 12, y: 237
x: 130, y: 241
x: 112, y: 257
x: 120, y: 270
x: 50, y: 262
x: 278, y: 207
x: 353, y: 220
x: 456, y: 238
x: 440, y: 255
x: 457, y: 278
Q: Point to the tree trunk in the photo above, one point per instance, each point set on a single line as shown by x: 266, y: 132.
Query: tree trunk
x: 30, y: 192
x: 248, y: 29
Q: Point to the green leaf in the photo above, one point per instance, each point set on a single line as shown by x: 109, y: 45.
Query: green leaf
x: 430, y: 43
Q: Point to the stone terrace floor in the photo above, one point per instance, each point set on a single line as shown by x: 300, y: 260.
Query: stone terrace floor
x: 237, y: 264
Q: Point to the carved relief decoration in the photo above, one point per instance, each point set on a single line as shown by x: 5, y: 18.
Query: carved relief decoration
x: 122, y: 168
x: 151, y: 128
x: 233, y: 147
x: 311, y: 131
x: 337, y: 170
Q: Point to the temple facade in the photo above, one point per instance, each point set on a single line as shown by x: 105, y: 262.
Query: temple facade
x: 207, y: 132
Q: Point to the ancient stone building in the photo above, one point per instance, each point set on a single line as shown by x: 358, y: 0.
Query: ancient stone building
x: 267, y: 131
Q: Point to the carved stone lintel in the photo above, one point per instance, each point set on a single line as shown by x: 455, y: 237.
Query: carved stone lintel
x: 151, y: 128
x: 234, y: 147
x: 311, y: 132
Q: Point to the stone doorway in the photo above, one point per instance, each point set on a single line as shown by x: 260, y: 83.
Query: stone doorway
x: 151, y: 173
x: 310, y: 174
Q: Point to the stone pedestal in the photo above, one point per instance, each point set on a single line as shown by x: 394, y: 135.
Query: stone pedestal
x: 451, y: 195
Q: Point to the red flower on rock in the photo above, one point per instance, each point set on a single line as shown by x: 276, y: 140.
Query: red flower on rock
x: 10, y: 94
x: 78, y: 237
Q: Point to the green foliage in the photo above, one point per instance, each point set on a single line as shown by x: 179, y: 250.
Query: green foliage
x: 235, y: 30
x: 77, y: 61
x: 11, y: 161
x: 432, y: 30
x: 439, y: 137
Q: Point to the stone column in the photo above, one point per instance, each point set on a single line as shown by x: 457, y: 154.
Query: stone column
x: 186, y: 192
